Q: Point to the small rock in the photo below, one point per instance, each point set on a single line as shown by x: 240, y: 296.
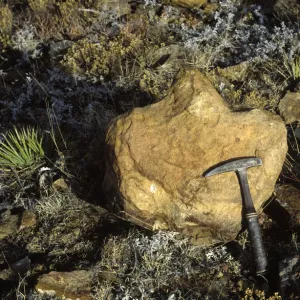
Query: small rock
x: 235, y: 73
x: 9, y: 224
x: 289, y: 107
x: 28, y: 219
x: 289, y: 270
x: 75, y: 285
x: 60, y: 185
x: 58, y: 49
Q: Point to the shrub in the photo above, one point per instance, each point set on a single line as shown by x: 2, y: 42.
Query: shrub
x: 41, y: 5
x: 254, y: 294
x: 54, y: 18
x: 97, y: 60
x: 164, y: 266
x: 237, y: 33
x: 156, y: 84
x: 25, y: 40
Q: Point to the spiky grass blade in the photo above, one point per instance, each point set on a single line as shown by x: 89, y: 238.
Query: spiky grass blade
x: 22, y: 149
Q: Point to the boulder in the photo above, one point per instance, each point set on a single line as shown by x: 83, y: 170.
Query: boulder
x: 289, y: 107
x: 73, y: 285
x: 156, y: 157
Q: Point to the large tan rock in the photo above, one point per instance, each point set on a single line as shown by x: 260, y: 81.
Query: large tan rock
x: 157, y: 156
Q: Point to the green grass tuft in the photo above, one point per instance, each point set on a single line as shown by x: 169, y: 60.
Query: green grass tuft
x: 22, y: 149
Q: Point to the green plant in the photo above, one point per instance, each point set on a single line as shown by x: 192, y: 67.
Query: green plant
x: 156, y: 83
x: 22, y: 149
x: 40, y: 5
x: 292, y: 67
x: 284, y: 67
x: 104, y: 57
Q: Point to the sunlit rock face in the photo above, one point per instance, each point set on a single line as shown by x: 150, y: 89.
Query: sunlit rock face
x: 156, y: 157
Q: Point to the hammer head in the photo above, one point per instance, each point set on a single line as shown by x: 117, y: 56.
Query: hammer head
x: 234, y: 165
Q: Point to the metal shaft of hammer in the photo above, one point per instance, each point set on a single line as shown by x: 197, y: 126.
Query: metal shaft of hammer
x: 240, y: 166
x: 259, y: 254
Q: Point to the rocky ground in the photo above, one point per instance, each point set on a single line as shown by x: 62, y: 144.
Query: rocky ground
x: 67, y: 69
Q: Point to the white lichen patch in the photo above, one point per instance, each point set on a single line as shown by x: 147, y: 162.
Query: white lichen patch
x: 153, y: 188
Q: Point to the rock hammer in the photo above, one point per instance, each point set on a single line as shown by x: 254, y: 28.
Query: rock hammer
x: 240, y: 166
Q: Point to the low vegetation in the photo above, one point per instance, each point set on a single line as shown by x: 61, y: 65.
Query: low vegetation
x: 67, y: 68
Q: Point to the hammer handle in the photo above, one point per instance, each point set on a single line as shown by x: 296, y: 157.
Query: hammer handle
x: 259, y: 254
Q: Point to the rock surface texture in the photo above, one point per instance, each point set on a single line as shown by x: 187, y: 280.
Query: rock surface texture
x: 75, y: 285
x: 9, y: 223
x: 157, y: 156
x: 289, y: 107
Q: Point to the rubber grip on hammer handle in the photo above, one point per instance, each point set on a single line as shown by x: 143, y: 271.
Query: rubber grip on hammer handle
x: 259, y: 254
